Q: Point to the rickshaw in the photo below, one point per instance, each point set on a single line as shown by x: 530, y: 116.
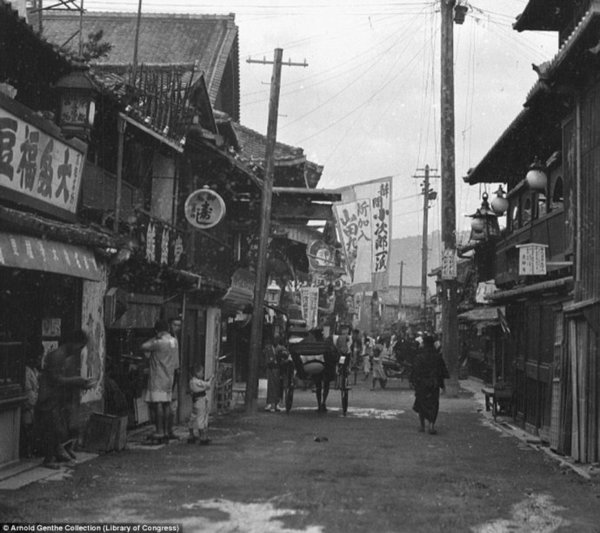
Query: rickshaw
x: 313, y: 358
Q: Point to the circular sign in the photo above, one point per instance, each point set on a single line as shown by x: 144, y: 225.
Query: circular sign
x: 204, y: 208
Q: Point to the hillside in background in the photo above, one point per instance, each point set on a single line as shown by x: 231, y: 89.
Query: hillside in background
x: 408, y: 249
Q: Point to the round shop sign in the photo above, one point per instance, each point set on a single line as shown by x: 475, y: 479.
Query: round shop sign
x: 204, y: 208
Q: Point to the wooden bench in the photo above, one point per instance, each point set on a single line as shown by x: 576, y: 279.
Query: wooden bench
x: 489, y: 397
x: 499, y: 399
x: 238, y: 392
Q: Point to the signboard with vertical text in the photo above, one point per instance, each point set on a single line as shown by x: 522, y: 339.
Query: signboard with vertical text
x: 532, y: 259
x: 365, y: 225
x: 310, y: 306
x: 449, y: 269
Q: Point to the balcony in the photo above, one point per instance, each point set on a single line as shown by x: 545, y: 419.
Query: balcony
x: 548, y: 229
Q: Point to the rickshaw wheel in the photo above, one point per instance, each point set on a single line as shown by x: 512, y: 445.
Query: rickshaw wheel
x: 344, y: 401
x: 289, y: 398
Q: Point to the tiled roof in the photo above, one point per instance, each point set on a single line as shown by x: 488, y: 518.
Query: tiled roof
x: 253, y: 146
x: 164, y: 39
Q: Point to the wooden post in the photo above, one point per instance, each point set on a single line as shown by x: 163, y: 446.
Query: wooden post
x: 121, y: 126
x: 449, y: 282
x: 425, y: 247
x: 400, y: 290
x: 136, y: 44
x: 265, y: 226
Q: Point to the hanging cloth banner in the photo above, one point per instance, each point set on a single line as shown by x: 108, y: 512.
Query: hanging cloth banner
x: 310, y: 306
x: 366, y: 216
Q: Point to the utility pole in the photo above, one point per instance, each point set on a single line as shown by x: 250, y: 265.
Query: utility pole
x: 265, y: 227
x: 136, y: 44
x: 428, y: 196
x: 400, y: 290
x: 449, y: 281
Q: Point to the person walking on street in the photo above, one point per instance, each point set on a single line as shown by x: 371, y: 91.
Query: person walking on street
x: 53, y: 396
x: 199, y: 388
x: 427, y: 378
x: 378, y: 371
x: 163, y: 352
x: 367, y: 358
x: 273, y: 381
x: 32, y: 389
x: 356, y: 348
x: 174, y: 330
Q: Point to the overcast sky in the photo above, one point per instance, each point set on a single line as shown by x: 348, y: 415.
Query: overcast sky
x: 367, y: 105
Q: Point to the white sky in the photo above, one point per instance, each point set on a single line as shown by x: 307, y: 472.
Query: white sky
x: 367, y: 106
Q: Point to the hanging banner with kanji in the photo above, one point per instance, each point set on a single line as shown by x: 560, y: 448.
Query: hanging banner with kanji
x: 366, y: 217
x: 353, y: 220
x: 310, y: 306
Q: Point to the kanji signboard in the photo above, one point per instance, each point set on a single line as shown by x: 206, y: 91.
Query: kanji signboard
x: 35, y: 163
x: 532, y: 259
x: 204, y: 208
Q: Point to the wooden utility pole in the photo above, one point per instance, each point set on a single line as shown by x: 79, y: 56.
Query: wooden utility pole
x: 428, y: 195
x: 400, y: 289
x: 265, y: 228
x: 449, y: 281
x: 136, y: 44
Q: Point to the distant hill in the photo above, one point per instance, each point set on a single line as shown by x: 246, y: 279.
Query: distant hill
x: 408, y: 249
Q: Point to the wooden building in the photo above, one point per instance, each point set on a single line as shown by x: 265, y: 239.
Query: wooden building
x: 553, y: 315
x: 179, y: 106
x: 54, y: 265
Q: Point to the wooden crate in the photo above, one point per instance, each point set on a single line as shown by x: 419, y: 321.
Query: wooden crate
x: 105, y: 433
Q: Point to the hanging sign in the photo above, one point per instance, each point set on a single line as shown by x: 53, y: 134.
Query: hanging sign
x: 37, y: 166
x: 532, y: 259
x: 449, y: 264
x: 204, y: 208
x: 310, y: 306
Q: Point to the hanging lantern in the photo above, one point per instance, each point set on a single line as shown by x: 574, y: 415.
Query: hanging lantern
x: 460, y: 12
x: 499, y: 204
x: 77, y: 106
x: 273, y: 294
x: 536, y: 177
x: 484, y: 224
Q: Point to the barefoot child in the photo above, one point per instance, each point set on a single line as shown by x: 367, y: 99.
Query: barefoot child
x: 199, y: 417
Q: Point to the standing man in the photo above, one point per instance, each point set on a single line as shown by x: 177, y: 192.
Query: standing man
x: 53, y: 397
x: 163, y: 352
x: 174, y: 330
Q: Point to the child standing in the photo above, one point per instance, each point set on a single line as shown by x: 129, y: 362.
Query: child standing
x: 199, y: 417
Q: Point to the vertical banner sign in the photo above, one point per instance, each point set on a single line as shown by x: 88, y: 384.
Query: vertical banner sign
x: 449, y: 267
x: 347, y: 219
x: 379, y: 195
x: 310, y: 306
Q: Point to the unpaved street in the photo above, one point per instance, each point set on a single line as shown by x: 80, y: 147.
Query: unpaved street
x: 369, y: 471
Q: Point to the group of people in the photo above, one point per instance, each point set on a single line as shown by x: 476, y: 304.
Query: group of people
x: 275, y: 357
x: 51, y: 381
x: 161, y: 393
x: 423, y: 355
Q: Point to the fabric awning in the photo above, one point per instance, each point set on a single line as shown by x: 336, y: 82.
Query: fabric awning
x: 31, y: 253
x: 236, y: 299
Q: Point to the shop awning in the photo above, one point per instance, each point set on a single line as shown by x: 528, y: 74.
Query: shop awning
x: 487, y: 314
x: 31, y: 253
x: 550, y: 286
x: 236, y: 299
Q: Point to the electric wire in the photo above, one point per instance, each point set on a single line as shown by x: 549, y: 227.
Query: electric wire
x: 373, y: 65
